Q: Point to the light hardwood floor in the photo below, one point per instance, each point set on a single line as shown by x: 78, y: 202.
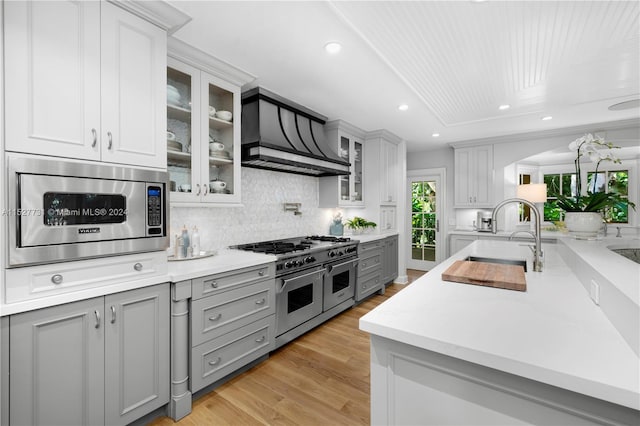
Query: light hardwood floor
x: 321, y: 378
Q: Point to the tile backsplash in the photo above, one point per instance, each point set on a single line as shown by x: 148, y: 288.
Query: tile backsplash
x: 262, y: 216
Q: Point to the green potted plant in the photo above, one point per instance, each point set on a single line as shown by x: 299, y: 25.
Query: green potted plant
x: 358, y: 224
x: 583, y: 212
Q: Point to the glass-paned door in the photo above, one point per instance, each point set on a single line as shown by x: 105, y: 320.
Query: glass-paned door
x: 345, y: 181
x: 180, y: 128
x: 424, y: 222
x: 357, y: 171
x: 220, y: 138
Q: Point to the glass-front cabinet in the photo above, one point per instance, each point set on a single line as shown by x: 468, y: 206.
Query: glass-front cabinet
x: 346, y: 190
x: 203, y: 136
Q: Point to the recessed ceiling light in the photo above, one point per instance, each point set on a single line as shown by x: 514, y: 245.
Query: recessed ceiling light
x: 333, y: 47
x: 403, y: 107
x: 504, y: 106
x: 435, y: 135
x: 547, y: 117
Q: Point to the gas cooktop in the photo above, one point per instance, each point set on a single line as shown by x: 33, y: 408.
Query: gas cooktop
x: 293, y: 245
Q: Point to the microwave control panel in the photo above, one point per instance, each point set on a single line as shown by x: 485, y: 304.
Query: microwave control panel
x: 154, y: 210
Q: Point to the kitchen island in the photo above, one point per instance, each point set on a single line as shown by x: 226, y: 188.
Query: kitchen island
x: 451, y: 353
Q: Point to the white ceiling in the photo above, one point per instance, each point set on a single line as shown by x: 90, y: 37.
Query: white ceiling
x: 452, y: 62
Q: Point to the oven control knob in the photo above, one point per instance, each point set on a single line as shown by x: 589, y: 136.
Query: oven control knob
x: 288, y: 265
x: 309, y: 259
x: 332, y: 254
x: 340, y: 253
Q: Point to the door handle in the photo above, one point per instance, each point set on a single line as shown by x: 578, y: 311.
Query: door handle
x: 97, y: 318
x: 437, y: 225
x: 285, y: 282
x: 110, y: 136
x: 113, y: 314
x: 94, y: 134
x: 204, y: 190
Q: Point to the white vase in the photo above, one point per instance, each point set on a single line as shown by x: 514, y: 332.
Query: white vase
x: 583, y: 224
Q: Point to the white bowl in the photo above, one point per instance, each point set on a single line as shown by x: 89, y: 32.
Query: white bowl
x: 224, y: 115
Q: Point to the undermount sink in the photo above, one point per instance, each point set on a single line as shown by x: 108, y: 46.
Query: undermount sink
x: 516, y: 262
x: 631, y: 253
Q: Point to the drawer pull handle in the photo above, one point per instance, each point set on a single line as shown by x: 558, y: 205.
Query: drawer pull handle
x: 340, y: 295
x: 260, y: 302
x: 261, y: 339
x: 113, y: 314
x: 215, y: 361
x: 364, y: 287
x: 214, y: 284
x: 138, y: 266
x: 216, y: 318
x: 56, y: 279
x: 364, y: 265
x: 97, y: 318
x: 261, y: 273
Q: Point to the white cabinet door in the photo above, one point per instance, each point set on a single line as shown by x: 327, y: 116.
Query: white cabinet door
x: 473, y: 176
x: 86, y: 80
x: 52, y: 78
x: 133, y: 96
x: 389, y: 173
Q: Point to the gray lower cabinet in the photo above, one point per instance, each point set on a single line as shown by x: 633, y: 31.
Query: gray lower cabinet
x: 98, y: 361
x: 369, y: 276
x: 220, y: 323
x: 390, y: 259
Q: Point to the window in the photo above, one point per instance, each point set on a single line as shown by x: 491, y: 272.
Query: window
x: 614, y: 181
x: 558, y: 183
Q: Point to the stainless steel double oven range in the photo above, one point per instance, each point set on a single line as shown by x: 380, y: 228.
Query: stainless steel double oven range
x: 315, y: 280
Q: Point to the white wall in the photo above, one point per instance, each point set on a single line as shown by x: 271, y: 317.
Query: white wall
x: 262, y: 216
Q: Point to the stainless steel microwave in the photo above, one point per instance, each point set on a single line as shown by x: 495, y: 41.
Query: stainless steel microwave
x: 61, y: 210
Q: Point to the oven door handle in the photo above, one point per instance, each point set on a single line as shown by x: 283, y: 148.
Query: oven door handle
x: 330, y: 267
x: 285, y: 282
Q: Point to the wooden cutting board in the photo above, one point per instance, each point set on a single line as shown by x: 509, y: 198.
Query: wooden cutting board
x: 510, y: 277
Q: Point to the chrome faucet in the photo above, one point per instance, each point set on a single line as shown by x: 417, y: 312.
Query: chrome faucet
x: 537, y: 251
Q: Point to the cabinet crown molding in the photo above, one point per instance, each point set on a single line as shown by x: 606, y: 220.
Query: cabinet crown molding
x: 384, y: 134
x: 197, y: 58
x: 345, y: 126
x: 565, y: 131
x: 160, y: 13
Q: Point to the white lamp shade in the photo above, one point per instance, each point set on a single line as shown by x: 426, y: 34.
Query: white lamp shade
x: 533, y: 192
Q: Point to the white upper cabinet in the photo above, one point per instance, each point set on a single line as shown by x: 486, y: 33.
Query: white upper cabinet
x: 382, y: 167
x: 84, y: 80
x: 203, y: 150
x: 473, y: 168
x: 345, y: 190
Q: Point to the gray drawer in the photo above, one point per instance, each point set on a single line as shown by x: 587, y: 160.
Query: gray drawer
x: 368, y: 284
x: 363, y: 248
x: 370, y: 262
x: 213, y: 284
x: 219, y: 357
x: 215, y: 315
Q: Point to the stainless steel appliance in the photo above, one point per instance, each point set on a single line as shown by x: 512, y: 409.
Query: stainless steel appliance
x: 62, y: 210
x: 483, y: 222
x: 315, y: 280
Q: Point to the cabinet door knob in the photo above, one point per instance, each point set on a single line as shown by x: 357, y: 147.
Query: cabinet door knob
x: 260, y: 339
x: 110, y: 136
x: 94, y: 134
x: 138, y: 266
x: 215, y: 361
x: 261, y: 273
x: 56, y: 279
x: 214, y: 284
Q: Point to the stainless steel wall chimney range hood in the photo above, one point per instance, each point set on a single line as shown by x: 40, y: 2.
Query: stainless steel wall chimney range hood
x: 280, y: 135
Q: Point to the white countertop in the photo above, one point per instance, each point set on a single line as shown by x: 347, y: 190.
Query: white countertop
x: 546, y: 235
x: 365, y: 238
x: 552, y: 333
x: 225, y: 260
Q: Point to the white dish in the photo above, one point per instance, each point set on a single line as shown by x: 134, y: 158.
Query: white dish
x: 224, y: 115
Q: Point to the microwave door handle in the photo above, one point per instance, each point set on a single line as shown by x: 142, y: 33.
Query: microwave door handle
x: 285, y: 282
